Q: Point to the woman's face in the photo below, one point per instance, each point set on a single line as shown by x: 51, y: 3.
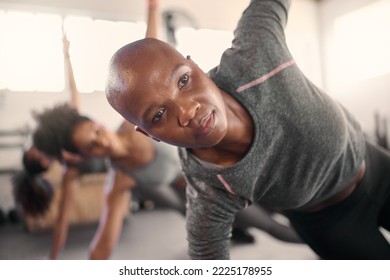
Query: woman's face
x: 171, y: 99
x: 91, y: 139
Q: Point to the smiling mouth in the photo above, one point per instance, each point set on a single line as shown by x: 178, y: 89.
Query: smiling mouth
x: 206, y: 125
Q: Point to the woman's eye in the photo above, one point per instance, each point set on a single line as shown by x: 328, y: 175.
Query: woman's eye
x: 97, y: 130
x: 158, y: 115
x: 183, y: 80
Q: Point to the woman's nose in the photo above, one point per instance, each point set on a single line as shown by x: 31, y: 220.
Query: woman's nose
x: 102, y: 142
x: 187, y: 111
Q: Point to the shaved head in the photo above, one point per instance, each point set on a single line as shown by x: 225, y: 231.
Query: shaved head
x: 166, y: 95
x: 131, y: 64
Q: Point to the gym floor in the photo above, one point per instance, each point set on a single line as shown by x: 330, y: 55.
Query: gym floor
x: 147, y: 234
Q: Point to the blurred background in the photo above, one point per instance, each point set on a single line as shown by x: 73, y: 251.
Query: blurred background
x: 341, y: 45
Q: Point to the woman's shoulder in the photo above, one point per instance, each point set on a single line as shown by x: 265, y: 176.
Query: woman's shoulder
x: 125, y: 126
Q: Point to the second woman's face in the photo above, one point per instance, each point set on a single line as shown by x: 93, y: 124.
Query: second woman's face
x: 92, y: 139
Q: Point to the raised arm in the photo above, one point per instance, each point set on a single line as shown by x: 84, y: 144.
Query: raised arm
x: 70, y: 183
x: 262, y: 23
x: 260, y: 34
x: 153, y: 19
x: 152, y: 31
x: 70, y: 83
x: 117, y: 197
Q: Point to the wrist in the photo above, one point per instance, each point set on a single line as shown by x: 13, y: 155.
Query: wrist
x: 153, y: 4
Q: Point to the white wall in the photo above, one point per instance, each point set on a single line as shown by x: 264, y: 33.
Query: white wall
x: 19, y: 105
x: 15, y: 107
x: 303, y: 38
x: 362, y: 98
x: 205, y: 11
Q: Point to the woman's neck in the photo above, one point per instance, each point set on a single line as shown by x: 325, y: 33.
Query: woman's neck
x: 238, y: 139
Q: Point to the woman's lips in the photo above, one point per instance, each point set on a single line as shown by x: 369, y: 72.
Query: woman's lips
x: 206, y: 125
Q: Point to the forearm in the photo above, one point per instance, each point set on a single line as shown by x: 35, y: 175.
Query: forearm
x: 208, y: 248
x: 105, y: 239
x: 70, y: 83
x: 70, y: 182
x: 268, y: 12
x: 153, y: 17
x: 110, y: 226
x: 208, y: 223
x: 60, y: 235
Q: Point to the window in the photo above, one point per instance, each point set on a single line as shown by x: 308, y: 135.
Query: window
x: 30, y: 51
x: 31, y: 56
x: 92, y: 44
x: 204, y: 45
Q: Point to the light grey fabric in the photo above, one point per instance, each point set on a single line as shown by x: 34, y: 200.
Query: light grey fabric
x: 163, y: 170
x: 305, y: 149
x: 156, y: 180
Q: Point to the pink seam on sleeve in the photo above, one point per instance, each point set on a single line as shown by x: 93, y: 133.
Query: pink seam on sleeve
x: 265, y: 76
x: 225, y: 184
x: 229, y: 189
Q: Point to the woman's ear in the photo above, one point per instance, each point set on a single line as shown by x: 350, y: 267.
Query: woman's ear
x: 138, y: 129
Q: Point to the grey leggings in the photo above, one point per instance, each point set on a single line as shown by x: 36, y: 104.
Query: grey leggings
x: 261, y: 218
x: 165, y: 196
x: 350, y: 229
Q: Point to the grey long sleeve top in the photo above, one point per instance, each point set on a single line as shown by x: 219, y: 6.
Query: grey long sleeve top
x: 306, y: 147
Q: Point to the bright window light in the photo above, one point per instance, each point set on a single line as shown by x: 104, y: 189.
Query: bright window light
x: 92, y: 43
x: 29, y: 48
x: 3, y: 72
x: 205, y: 46
x: 31, y: 57
x: 3, y: 83
x: 362, y: 43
